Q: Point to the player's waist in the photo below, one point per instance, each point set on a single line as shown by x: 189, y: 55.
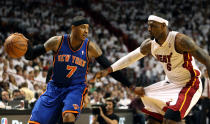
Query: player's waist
x: 66, y: 84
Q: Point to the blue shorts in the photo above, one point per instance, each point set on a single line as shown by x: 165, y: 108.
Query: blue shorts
x: 57, y: 100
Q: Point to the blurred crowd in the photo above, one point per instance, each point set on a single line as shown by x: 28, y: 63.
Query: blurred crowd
x: 39, y: 20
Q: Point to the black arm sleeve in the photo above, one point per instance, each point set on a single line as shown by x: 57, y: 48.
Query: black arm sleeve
x: 104, y: 62
x: 34, y: 52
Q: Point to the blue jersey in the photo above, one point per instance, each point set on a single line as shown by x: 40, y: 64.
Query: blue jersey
x: 70, y: 66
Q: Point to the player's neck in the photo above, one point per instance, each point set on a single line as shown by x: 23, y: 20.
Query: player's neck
x: 75, y: 42
x: 162, y: 37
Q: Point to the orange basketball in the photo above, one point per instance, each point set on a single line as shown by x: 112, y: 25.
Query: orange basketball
x: 16, y: 45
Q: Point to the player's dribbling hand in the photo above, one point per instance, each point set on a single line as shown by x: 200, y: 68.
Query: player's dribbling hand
x: 139, y: 91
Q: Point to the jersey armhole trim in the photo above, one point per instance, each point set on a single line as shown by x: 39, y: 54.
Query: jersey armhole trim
x: 61, y: 41
x: 175, y: 44
x: 58, y: 50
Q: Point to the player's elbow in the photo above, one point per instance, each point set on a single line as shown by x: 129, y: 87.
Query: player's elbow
x: 207, y: 63
x: 28, y: 57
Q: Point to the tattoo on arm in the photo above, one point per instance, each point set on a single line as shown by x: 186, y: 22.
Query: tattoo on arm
x: 52, y: 43
x: 186, y: 44
x: 94, y: 50
x: 98, y: 50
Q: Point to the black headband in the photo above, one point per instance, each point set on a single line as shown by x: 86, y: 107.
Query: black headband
x: 80, y: 22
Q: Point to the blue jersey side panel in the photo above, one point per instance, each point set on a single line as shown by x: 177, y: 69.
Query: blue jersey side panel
x: 70, y: 67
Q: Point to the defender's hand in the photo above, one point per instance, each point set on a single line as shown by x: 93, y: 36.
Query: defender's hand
x: 101, y: 74
x: 139, y: 91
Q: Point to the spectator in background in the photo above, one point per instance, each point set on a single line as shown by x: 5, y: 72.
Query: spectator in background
x: 108, y: 117
x: 13, y: 83
x: 11, y: 68
x: 25, y: 91
x: 19, y: 75
x: 16, y: 95
x: 5, y: 86
x: 29, y: 82
x: 96, y: 99
x: 37, y: 75
x: 124, y: 101
x: 5, y: 98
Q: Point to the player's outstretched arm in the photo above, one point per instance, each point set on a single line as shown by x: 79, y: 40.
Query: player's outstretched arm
x: 95, y: 51
x: 184, y: 43
x: 127, y: 60
x: 50, y: 44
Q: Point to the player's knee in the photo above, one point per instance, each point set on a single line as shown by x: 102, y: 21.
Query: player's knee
x: 172, y: 115
x: 68, y: 117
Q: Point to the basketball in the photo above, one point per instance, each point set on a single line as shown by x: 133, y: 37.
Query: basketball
x: 16, y: 45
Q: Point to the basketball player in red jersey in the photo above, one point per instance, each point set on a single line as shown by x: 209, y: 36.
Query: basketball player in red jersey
x: 167, y: 101
x: 67, y: 89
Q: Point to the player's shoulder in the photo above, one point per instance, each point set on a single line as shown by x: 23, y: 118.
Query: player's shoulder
x: 53, y: 43
x: 182, y: 39
x: 179, y: 36
x: 56, y: 38
x: 146, y: 46
x: 92, y: 44
x: 184, y: 43
x: 93, y: 50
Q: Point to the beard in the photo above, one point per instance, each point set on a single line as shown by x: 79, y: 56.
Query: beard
x: 149, y: 35
x: 152, y: 37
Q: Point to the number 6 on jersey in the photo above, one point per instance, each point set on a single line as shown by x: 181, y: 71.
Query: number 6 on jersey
x: 72, y: 70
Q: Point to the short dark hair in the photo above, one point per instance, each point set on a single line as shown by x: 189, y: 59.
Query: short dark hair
x: 109, y: 99
x: 15, y: 91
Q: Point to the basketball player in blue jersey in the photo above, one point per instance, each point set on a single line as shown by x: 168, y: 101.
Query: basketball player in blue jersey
x: 67, y: 89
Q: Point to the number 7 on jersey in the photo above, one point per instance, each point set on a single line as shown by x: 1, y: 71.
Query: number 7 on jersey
x: 72, y: 70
